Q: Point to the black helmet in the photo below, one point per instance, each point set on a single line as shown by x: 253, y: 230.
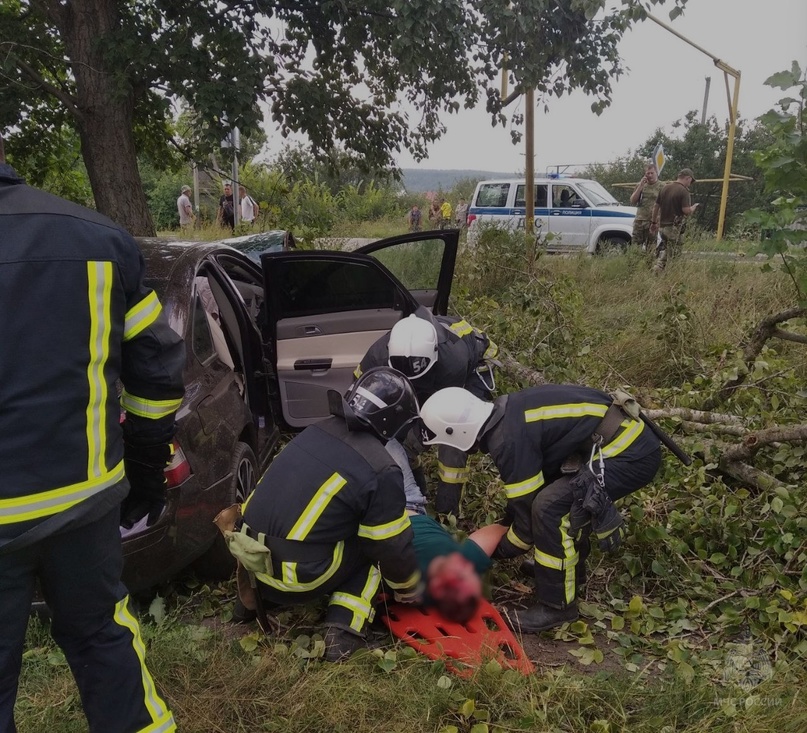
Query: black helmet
x: 383, y: 399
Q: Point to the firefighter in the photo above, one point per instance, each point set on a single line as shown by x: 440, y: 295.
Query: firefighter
x: 565, y: 454
x: 75, y: 317
x: 331, y: 512
x: 436, y: 352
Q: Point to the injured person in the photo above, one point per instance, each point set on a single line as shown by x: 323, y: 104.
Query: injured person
x: 452, y: 570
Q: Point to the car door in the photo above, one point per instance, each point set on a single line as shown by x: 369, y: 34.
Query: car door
x: 569, y: 217
x: 540, y: 210
x: 326, y: 308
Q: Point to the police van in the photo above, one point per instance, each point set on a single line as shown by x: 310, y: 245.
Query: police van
x: 579, y: 213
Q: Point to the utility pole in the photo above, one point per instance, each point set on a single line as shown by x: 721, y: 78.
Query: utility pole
x: 732, y: 100
x: 529, y: 163
x: 235, y: 137
x: 705, y: 99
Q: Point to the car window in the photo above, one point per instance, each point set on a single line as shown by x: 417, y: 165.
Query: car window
x: 597, y: 194
x: 415, y: 264
x: 202, y: 340
x: 564, y: 196
x: 540, y: 196
x: 493, y: 194
x: 306, y: 286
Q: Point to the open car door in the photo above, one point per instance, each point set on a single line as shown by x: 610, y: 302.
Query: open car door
x: 325, y: 309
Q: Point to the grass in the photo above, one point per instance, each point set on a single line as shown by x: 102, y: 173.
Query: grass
x: 607, y: 322
x: 212, y: 684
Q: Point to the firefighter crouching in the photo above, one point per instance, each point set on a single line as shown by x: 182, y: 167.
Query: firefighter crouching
x: 74, y: 318
x: 435, y: 352
x: 565, y: 453
x: 329, y: 517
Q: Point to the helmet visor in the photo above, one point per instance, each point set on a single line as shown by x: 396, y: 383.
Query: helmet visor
x: 412, y: 366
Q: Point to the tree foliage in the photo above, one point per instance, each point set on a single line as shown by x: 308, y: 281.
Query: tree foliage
x: 702, y: 147
x: 376, y: 76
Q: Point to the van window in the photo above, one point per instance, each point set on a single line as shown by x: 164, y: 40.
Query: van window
x: 564, y: 197
x: 540, y: 196
x: 493, y: 194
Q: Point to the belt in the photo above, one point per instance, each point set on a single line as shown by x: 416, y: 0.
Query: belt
x: 609, y: 426
x: 285, y: 550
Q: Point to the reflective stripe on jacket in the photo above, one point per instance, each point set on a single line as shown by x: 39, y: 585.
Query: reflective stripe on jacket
x: 75, y: 318
x: 329, y: 487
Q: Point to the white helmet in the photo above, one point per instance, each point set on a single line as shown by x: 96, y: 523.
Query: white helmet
x: 413, y: 346
x: 453, y: 416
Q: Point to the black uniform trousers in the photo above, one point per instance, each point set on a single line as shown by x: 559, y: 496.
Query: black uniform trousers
x: 79, y: 572
x: 559, y: 556
x: 352, y: 588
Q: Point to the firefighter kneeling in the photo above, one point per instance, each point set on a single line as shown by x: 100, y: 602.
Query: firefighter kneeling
x: 329, y: 517
x: 565, y: 454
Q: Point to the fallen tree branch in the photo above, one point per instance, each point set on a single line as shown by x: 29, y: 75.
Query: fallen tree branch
x: 748, y: 475
x: 767, y: 328
x: 699, y: 416
x: 799, y: 338
x: 512, y: 365
x: 754, y: 441
x: 698, y: 427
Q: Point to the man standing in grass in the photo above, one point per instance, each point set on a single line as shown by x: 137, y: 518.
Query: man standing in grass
x: 644, y: 199
x: 672, y: 205
x: 185, y: 210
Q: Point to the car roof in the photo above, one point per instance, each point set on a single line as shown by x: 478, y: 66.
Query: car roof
x: 537, y: 179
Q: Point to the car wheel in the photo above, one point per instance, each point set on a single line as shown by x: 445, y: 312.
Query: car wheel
x: 217, y: 563
x: 612, y: 245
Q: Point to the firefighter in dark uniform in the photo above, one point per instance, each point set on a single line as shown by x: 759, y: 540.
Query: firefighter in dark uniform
x: 435, y: 352
x: 565, y: 454
x: 75, y: 318
x: 331, y: 511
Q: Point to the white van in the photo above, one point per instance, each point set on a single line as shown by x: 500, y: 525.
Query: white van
x: 579, y: 213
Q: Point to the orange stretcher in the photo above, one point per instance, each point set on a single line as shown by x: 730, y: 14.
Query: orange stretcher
x: 463, y: 647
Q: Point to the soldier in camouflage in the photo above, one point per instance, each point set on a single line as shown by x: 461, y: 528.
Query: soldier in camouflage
x: 644, y: 198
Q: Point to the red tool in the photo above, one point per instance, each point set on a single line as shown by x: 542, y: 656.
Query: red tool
x: 463, y: 646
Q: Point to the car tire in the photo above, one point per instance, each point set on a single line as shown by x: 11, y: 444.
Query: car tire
x: 217, y: 563
x: 612, y: 245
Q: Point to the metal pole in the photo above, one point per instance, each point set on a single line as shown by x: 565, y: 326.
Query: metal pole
x: 529, y: 165
x: 196, y: 189
x: 721, y: 221
x: 705, y: 100
x: 235, y: 137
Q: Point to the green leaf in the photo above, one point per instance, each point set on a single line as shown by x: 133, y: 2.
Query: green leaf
x: 249, y: 643
x: 467, y: 708
x: 444, y: 682
x: 157, y: 610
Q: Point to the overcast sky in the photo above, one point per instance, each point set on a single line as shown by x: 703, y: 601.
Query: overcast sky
x: 664, y: 79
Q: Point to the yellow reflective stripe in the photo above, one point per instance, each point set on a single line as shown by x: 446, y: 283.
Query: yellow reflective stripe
x: 166, y: 725
x: 461, y: 328
x: 99, y: 292
x: 556, y: 412
x: 522, y: 488
x: 410, y: 582
x: 140, y: 316
x: 517, y: 541
x: 298, y: 587
x: 361, y: 605
x: 548, y: 561
x: 492, y: 351
x: 452, y: 474
x: 289, y: 572
x: 46, y: 503
x: 385, y: 531
x: 316, y: 506
x: 625, y: 440
x: 357, y: 371
x: 570, y: 559
x: 157, y: 709
x: 152, y: 409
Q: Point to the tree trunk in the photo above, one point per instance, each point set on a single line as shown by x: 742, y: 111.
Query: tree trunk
x: 106, y: 104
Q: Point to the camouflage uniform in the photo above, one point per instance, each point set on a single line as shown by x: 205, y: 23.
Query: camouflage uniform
x: 672, y: 201
x: 641, y: 225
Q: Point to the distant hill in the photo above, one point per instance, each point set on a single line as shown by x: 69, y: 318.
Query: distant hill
x: 419, y: 179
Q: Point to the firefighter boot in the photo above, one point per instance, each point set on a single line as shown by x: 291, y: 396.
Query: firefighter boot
x: 341, y: 643
x: 540, y: 618
x: 447, y: 500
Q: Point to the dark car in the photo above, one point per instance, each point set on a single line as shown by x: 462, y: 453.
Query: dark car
x: 265, y: 342
x: 254, y: 245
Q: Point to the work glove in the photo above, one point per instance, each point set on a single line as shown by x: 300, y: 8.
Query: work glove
x: 144, y: 466
x: 606, y: 521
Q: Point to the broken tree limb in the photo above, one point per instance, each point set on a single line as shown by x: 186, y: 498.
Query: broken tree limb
x: 766, y: 329
x: 718, y: 428
x: 698, y: 416
x: 752, y: 442
x: 528, y: 375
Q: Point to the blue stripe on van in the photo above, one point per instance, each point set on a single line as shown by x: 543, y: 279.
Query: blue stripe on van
x: 504, y: 211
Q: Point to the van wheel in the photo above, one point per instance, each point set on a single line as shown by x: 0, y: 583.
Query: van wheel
x: 217, y: 563
x: 612, y: 244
